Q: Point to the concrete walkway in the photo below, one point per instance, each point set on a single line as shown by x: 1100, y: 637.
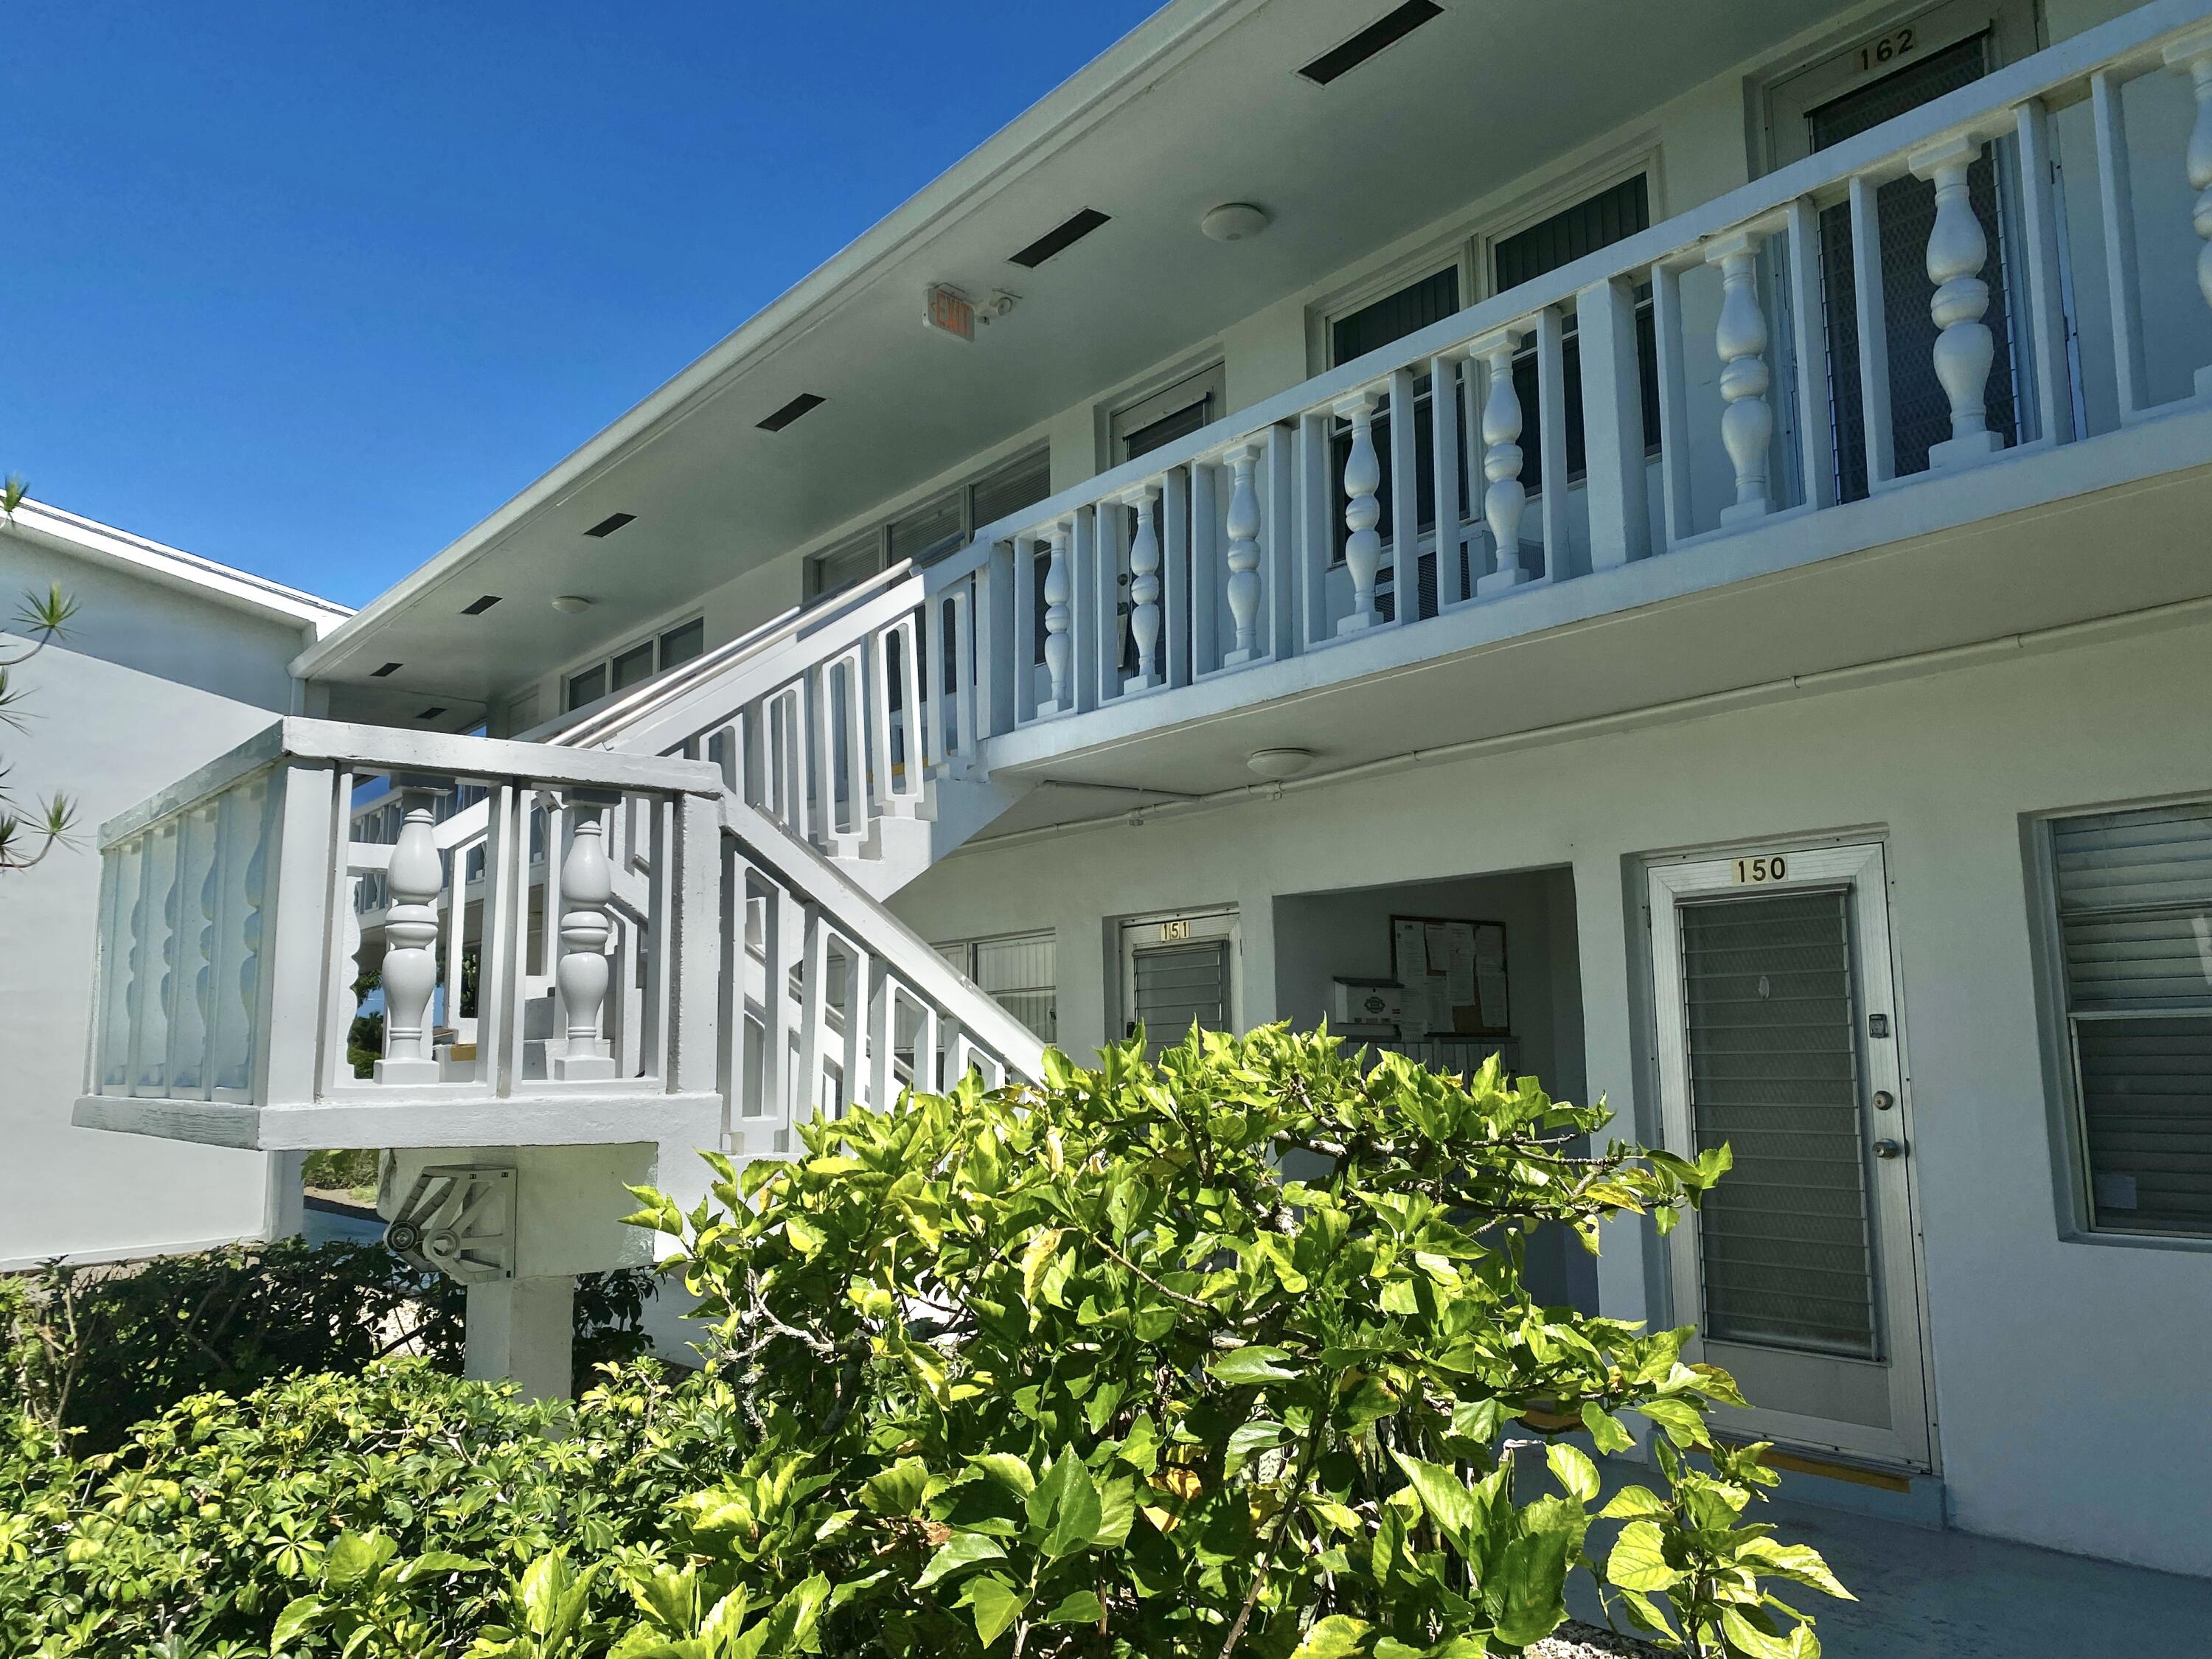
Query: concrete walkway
x: 1951, y: 1595
x: 1928, y: 1594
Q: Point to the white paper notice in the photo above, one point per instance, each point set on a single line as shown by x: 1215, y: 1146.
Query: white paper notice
x: 1459, y: 968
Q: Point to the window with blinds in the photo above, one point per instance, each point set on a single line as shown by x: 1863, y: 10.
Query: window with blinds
x: 2134, y: 894
x: 1018, y: 972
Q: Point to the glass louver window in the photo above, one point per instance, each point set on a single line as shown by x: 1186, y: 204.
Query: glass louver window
x: 2135, y: 924
x: 1018, y: 972
x: 1785, y: 1240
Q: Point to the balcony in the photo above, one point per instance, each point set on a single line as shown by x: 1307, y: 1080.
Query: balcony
x: 232, y: 939
x: 1738, y: 449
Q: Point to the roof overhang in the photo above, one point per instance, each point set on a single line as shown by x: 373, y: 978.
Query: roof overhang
x: 1201, y: 104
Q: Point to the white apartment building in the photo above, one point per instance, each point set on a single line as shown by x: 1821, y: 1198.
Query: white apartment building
x: 1654, y: 538
x: 169, y: 660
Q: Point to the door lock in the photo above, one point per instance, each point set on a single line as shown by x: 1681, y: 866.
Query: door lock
x: 1889, y: 1149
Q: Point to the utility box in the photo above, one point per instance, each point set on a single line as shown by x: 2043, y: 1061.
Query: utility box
x: 1367, y: 1002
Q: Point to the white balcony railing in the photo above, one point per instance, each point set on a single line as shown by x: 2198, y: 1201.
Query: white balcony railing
x: 1757, y: 327
x: 231, y: 943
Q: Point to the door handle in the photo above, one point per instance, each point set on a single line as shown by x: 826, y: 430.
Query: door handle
x: 1889, y: 1149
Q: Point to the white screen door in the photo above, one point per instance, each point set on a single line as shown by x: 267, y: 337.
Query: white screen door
x: 1778, y: 1036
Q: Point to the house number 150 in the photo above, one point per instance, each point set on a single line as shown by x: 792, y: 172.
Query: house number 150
x: 1754, y: 872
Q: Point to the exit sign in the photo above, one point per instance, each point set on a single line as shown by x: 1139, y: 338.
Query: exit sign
x: 951, y: 312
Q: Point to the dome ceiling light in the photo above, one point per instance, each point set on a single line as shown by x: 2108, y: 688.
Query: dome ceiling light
x: 1277, y: 765
x: 1234, y: 222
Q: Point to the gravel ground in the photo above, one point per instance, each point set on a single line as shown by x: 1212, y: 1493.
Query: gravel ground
x: 1580, y: 1641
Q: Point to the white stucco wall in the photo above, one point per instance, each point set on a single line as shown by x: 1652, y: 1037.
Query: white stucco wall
x: 2069, y: 1376
x: 152, y: 683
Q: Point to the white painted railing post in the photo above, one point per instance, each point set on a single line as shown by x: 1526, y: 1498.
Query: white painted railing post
x: 2193, y: 54
x: 410, y: 940
x: 1363, y: 546
x: 1058, y: 590
x: 1740, y: 338
x: 1506, y: 500
x: 1965, y: 349
x: 1144, y: 588
x: 1243, y: 556
x: 587, y: 888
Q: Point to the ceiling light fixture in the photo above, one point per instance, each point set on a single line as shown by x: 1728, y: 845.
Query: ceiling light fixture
x: 572, y: 605
x: 1277, y: 765
x: 1234, y: 222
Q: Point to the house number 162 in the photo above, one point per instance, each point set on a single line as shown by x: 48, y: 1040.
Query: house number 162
x: 1885, y: 50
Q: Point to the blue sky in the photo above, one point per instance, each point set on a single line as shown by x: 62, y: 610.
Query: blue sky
x: 311, y: 286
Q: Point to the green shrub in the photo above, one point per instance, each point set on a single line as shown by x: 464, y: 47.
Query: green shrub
x: 1080, y: 1369
x: 349, y: 1170
x: 1083, y: 1369
x: 97, y: 1349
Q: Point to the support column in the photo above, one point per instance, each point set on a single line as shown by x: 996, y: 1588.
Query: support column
x: 523, y: 1328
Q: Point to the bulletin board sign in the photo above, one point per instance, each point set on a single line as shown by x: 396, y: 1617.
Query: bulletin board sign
x: 1452, y: 970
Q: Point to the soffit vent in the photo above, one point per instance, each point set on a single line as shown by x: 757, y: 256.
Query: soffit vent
x: 1386, y: 30
x: 432, y: 712
x: 1065, y: 235
x: 385, y: 672
x: 481, y: 605
x: 612, y: 522
x: 791, y: 411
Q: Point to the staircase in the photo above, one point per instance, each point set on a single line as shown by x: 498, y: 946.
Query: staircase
x: 660, y: 921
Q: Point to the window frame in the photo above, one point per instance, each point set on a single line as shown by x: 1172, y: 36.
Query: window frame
x: 967, y: 949
x: 879, y: 533
x: 2067, y: 1122
x: 603, y: 662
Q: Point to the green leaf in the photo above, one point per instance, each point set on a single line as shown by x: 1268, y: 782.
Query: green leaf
x: 962, y: 1549
x: 1758, y: 1644
x: 1607, y: 1431
x: 1684, y: 1423
x: 355, y: 1555
x: 1444, y: 1494
x: 1370, y: 1402
x: 1241, y: 1367
x: 299, y: 1616
x: 1631, y: 1501
x: 1082, y: 1608
x: 1571, y: 1467
x: 1639, y: 1561
x: 1036, y: 1258
x: 1066, y: 1506
x: 1800, y: 1563
x: 1007, y: 1470
x: 994, y: 1603
x: 897, y: 1490
x: 439, y: 1561
x: 1337, y: 1636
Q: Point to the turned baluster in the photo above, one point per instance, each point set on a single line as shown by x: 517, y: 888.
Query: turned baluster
x: 1363, y: 545
x: 1144, y: 588
x: 2193, y: 53
x: 582, y: 975
x: 1964, y: 348
x: 1059, y: 616
x: 412, y: 883
x: 1243, y: 556
x: 1507, y: 498
x: 1740, y: 338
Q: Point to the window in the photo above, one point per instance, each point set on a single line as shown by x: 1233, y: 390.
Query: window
x: 1159, y: 418
x: 1596, y: 222
x: 932, y: 529
x: 1018, y: 971
x: 2134, y: 902
x: 635, y: 664
x: 1393, y: 316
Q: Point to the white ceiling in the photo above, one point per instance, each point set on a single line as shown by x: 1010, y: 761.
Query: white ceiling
x: 1466, y: 104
